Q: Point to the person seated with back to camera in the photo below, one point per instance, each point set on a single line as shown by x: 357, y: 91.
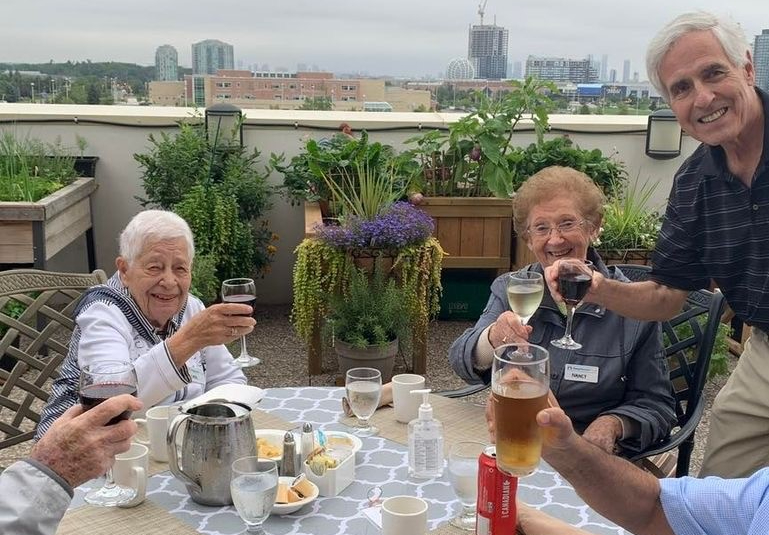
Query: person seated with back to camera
x: 144, y: 314
x: 625, y: 403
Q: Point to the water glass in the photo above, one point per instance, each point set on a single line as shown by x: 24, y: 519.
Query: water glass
x: 254, y: 487
x: 364, y: 387
x: 463, y: 475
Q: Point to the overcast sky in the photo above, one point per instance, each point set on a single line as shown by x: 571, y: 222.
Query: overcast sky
x: 395, y: 37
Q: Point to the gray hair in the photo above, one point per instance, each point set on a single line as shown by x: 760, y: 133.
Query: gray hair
x: 729, y: 35
x: 152, y: 226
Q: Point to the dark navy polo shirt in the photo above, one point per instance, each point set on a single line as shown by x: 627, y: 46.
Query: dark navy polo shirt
x: 717, y: 228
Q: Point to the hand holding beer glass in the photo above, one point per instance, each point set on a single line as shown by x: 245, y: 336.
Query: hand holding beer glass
x: 520, y: 381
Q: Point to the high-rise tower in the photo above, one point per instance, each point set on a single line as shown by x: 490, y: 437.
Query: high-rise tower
x: 166, y: 64
x: 211, y: 55
x: 487, y: 50
x: 761, y: 59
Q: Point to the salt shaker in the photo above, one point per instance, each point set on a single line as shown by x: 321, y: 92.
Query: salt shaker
x: 308, y: 443
x: 288, y: 463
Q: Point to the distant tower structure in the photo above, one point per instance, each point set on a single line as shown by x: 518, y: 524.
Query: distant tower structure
x: 460, y: 69
x: 487, y: 48
x: 626, y: 70
x: 761, y: 59
x: 517, y: 70
x: 166, y: 64
x: 613, y: 75
x: 604, y: 67
x: 211, y: 55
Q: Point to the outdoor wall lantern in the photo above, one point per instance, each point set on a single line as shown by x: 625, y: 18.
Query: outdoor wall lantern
x: 663, y: 135
x: 224, y: 126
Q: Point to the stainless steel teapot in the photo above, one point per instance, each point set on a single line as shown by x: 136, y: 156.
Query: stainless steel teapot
x: 215, y: 434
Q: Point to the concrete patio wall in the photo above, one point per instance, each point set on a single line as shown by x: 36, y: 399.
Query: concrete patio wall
x: 116, y: 133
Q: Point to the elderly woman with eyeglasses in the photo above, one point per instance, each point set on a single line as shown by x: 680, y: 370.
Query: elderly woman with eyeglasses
x: 615, y: 388
x: 144, y: 314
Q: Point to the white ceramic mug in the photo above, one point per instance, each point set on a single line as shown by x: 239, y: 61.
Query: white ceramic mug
x: 131, y: 469
x: 406, y: 406
x: 403, y: 515
x: 155, y: 425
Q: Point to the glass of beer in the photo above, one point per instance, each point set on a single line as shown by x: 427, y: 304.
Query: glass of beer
x: 520, y: 381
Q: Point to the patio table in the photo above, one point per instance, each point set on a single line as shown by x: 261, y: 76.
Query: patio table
x: 382, y: 462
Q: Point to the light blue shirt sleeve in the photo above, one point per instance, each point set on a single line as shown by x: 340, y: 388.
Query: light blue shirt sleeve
x: 715, y: 506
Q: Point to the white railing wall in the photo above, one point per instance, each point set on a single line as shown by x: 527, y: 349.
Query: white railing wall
x: 116, y: 133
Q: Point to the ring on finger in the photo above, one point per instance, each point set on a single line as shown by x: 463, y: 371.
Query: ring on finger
x: 504, y: 339
x: 233, y: 332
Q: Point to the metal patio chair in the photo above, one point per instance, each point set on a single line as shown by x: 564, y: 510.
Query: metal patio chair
x: 35, y: 326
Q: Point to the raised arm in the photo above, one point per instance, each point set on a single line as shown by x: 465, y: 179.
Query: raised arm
x: 615, y: 488
x: 646, y: 300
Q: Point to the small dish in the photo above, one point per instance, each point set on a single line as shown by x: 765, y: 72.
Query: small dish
x: 288, y: 508
x: 274, y: 438
x: 355, y: 443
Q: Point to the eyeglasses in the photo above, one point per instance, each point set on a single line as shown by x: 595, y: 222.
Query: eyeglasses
x: 544, y: 231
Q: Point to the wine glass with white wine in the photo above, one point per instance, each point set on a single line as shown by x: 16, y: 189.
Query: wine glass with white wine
x: 364, y: 388
x: 524, y: 293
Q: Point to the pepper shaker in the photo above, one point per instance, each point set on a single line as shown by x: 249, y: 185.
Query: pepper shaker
x: 288, y: 463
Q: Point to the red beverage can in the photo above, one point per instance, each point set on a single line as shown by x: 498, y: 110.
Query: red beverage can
x: 496, y: 513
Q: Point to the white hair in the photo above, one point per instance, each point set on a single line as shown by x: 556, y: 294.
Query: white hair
x: 151, y: 226
x: 724, y: 29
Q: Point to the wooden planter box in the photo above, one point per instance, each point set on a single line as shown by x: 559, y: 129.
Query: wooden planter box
x: 32, y: 232
x: 474, y: 231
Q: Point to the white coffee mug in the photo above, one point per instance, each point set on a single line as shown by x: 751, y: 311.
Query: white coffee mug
x: 403, y: 515
x: 406, y: 406
x: 155, y: 425
x: 131, y: 469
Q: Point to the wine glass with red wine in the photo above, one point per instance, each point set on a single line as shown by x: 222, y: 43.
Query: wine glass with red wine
x: 99, y: 382
x: 241, y: 291
x: 574, y: 277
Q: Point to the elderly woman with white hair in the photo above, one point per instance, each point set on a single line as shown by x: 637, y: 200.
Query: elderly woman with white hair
x: 145, y: 314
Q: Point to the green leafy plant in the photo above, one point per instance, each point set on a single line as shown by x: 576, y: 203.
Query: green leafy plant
x: 205, y: 285
x: 370, y: 311
x: 363, y: 191
x: 31, y: 169
x: 719, y: 360
x: 606, y: 172
x: 335, y: 161
x: 222, y: 194
x: 471, y: 159
x: 628, y: 221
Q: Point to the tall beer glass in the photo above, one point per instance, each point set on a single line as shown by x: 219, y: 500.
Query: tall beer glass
x: 520, y: 381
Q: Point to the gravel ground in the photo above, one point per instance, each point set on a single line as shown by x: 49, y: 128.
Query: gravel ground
x: 284, y: 363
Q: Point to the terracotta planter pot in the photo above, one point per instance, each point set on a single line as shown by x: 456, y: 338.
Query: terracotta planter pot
x: 380, y: 357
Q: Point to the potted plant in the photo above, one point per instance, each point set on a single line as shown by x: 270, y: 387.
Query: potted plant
x: 400, y: 236
x: 44, y: 204
x: 223, y: 195
x: 368, y: 320
x: 630, y: 227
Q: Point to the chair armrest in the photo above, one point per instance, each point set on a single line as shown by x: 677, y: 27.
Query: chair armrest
x: 464, y: 391
x: 677, y: 437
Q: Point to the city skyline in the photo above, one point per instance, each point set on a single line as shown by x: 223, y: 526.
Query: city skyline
x: 343, y: 36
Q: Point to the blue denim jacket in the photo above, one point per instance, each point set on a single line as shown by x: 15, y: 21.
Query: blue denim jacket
x: 633, y: 378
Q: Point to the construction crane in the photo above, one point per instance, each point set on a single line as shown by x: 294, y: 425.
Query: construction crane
x: 482, y: 9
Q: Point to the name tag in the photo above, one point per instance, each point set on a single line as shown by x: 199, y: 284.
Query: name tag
x: 580, y: 373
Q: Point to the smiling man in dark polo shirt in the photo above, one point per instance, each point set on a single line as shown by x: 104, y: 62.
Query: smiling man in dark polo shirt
x: 717, y: 221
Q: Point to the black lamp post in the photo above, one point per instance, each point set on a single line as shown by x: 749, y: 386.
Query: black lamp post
x: 224, y: 126
x: 663, y: 135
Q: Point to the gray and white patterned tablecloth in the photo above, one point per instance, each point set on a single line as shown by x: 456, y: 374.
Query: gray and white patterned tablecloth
x: 380, y: 462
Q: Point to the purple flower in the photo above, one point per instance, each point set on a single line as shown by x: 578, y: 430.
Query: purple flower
x: 401, y: 225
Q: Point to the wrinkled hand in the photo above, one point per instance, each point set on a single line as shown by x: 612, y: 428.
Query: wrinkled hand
x: 508, y: 329
x: 80, y: 445
x: 559, y: 435
x: 220, y: 324
x: 604, y: 432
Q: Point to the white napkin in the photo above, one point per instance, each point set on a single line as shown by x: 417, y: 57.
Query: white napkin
x: 246, y: 394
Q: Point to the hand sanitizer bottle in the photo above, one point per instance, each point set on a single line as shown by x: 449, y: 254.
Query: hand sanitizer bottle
x: 425, y: 441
